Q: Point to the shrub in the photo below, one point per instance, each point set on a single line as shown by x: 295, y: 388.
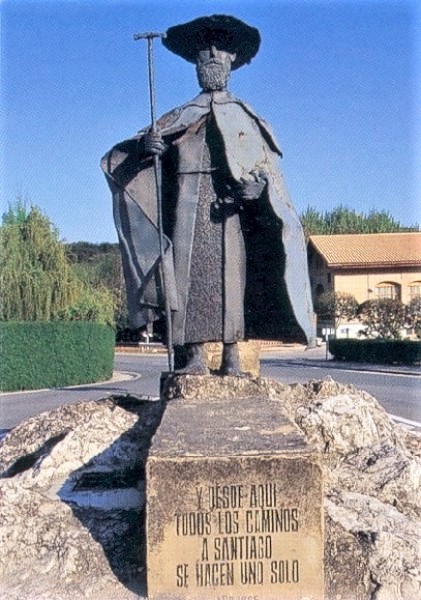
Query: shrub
x: 36, y: 355
x: 92, y: 304
x: 376, y: 351
x: 336, y: 307
x: 384, y: 318
x: 413, y: 315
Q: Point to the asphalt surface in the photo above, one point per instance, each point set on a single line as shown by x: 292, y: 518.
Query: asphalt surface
x: 396, y: 388
x: 397, y: 391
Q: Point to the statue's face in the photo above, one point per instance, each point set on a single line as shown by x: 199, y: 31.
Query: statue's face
x: 213, y: 68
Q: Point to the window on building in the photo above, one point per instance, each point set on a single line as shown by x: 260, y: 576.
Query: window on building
x: 388, y: 289
x: 415, y: 290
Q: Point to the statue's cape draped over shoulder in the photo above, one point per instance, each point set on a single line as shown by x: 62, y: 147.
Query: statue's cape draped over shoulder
x: 278, y: 297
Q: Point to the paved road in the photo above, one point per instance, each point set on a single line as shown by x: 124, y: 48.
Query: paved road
x: 397, y: 392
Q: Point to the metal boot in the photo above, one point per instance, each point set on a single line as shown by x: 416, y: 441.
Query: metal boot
x: 231, y: 361
x: 196, y: 361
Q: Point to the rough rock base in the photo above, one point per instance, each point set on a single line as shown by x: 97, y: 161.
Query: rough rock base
x: 71, y: 496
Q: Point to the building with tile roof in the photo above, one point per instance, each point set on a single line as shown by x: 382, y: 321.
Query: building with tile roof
x: 367, y: 266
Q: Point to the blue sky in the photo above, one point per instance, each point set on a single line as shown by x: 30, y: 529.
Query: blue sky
x: 336, y: 79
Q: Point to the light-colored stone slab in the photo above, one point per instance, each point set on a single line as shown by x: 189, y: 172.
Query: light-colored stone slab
x: 234, y: 503
x: 249, y: 356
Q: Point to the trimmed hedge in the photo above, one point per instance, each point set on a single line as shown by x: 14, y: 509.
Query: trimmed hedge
x: 376, y: 351
x: 36, y: 355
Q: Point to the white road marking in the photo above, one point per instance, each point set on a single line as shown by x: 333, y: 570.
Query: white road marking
x: 405, y: 421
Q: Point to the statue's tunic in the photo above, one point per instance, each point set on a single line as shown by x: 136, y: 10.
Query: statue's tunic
x: 205, y: 307
x: 232, y: 270
x: 215, y: 302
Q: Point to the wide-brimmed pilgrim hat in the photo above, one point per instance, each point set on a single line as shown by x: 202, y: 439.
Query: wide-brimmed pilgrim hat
x: 225, y: 32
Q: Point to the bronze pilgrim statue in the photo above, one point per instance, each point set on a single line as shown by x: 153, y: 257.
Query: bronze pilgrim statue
x: 234, y: 259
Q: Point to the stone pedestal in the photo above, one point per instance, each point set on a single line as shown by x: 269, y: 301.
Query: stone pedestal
x: 249, y: 356
x: 234, y: 498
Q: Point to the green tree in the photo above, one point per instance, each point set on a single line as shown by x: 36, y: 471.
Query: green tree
x: 383, y: 318
x: 313, y: 222
x: 99, y: 266
x: 383, y: 222
x: 37, y: 280
x: 413, y: 315
x: 336, y: 307
x: 16, y: 213
x: 346, y: 220
x: 83, y: 252
x: 92, y: 304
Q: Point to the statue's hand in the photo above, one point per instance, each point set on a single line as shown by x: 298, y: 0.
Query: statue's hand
x: 153, y: 144
x: 250, y: 189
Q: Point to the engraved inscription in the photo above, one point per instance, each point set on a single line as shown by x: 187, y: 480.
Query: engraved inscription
x: 241, y: 532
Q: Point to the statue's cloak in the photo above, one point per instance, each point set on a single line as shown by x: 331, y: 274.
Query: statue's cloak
x: 277, y: 301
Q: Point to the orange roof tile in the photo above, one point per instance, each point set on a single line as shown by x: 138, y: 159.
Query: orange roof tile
x: 369, y: 249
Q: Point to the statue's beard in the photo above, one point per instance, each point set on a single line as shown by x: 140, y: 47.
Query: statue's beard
x: 213, y: 75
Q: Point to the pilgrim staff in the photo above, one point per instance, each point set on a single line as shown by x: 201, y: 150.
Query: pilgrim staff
x: 158, y: 183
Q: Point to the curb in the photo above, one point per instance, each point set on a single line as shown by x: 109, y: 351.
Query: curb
x: 116, y: 377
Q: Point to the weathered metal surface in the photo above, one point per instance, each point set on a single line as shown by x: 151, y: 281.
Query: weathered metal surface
x: 233, y: 250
